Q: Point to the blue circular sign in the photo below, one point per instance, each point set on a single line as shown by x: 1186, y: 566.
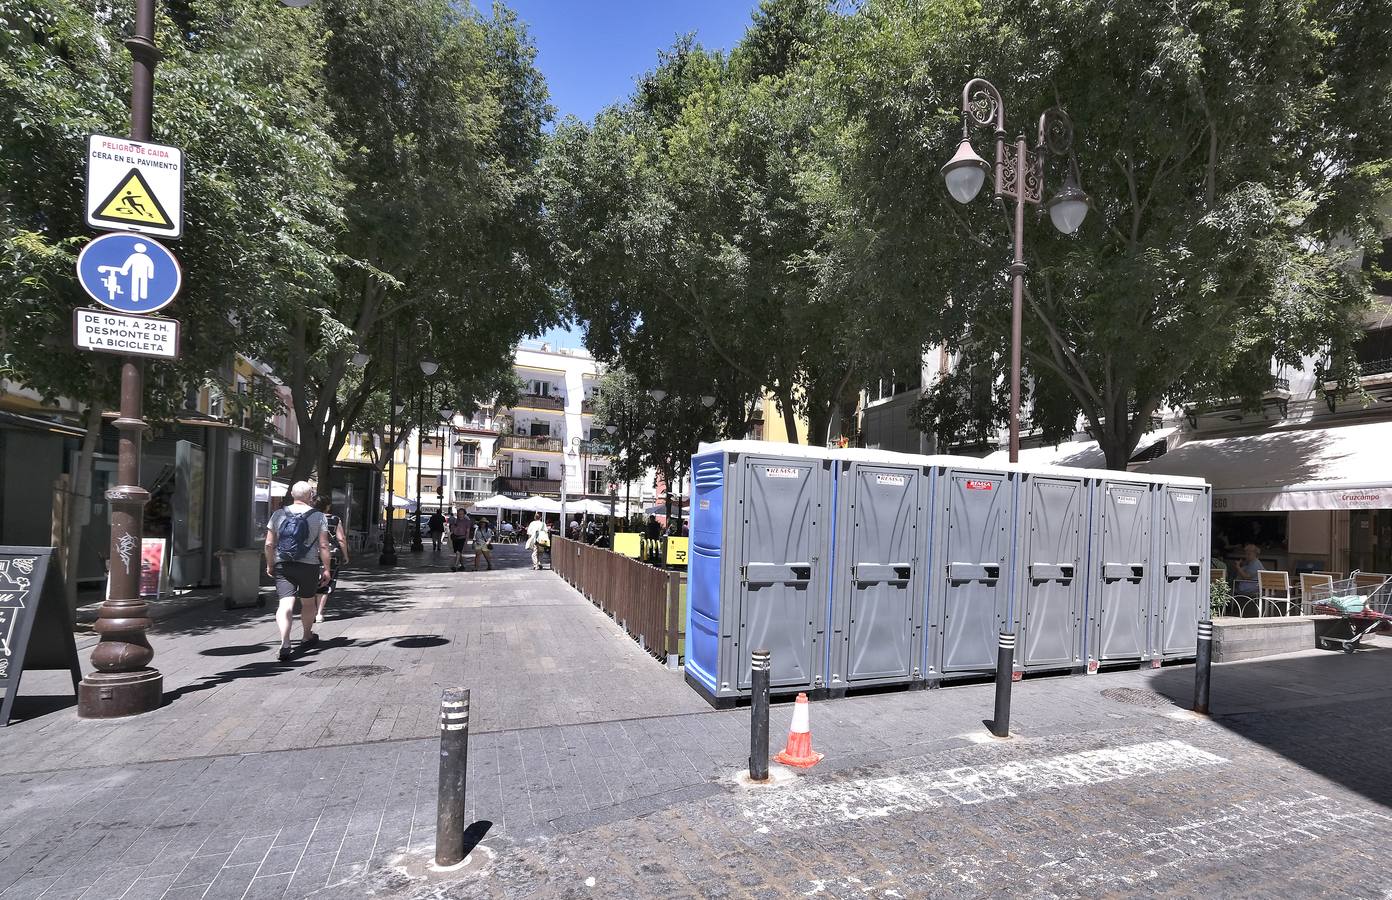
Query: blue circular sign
x: 129, y: 272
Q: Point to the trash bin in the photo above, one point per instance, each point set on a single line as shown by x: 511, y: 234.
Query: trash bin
x: 241, y: 578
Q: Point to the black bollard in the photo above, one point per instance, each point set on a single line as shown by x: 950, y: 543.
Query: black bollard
x: 1203, y: 663
x: 454, y: 770
x: 759, y: 715
x: 1005, y: 675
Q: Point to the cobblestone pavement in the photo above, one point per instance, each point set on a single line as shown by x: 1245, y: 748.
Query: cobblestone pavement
x: 531, y: 658
x: 600, y: 774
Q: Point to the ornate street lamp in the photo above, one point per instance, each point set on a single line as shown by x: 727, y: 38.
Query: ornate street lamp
x: 707, y: 401
x: 657, y: 394
x: 1018, y: 176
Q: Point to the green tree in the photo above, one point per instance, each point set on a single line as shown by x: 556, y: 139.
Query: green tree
x: 443, y: 252
x: 234, y: 90
x: 1234, y: 161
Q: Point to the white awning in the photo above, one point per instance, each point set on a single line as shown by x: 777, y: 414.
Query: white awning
x: 1077, y: 454
x: 1341, y: 467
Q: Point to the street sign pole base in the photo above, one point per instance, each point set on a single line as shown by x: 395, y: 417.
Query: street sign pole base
x: 104, y: 695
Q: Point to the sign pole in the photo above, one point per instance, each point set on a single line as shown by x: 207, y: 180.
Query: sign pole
x: 125, y: 684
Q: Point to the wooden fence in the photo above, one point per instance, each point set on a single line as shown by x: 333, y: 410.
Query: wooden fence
x: 644, y: 600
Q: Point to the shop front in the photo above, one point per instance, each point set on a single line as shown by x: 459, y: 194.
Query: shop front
x: 1310, y: 499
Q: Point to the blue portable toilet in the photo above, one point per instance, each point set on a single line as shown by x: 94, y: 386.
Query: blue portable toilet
x: 757, y: 566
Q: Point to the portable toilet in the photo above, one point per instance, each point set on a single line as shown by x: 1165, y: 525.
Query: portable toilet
x: 875, y: 633
x: 1120, y: 576
x: 1050, y: 568
x: 1180, y: 595
x: 968, y: 590
x: 757, y: 570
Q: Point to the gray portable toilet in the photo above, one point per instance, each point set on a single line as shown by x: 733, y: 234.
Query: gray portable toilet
x: 758, y: 556
x: 1181, y: 588
x: 1050, y: 568
x: 875, y: 633
x: 968, y: 590
x: 1120, y: 576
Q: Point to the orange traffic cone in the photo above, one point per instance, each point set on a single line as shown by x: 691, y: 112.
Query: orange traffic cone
x: 799, y: 751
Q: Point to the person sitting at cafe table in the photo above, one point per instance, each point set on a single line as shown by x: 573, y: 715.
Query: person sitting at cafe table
x: 1246, y: 572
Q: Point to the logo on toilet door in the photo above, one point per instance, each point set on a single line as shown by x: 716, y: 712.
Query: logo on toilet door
x: 895, y: 480
x: 981, y: 485
x: 781, y: 472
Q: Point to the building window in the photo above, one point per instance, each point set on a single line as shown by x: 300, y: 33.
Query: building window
x: 428, y: 483
x: 595, y: 481
x: 540, y: 429
x: 538, y: 388
x: 466, y: 456
x: 1381, y: 284
x: 1374, y: 351
x: 538, y: 470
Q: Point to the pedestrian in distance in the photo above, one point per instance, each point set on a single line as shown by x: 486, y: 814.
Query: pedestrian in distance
x: 538, y: 538
x: 573, y: 532
x: 297, y: 557
x: 437, y: 529
x: 483, y: 544
x: 461, y: 530
x: 338, y: 554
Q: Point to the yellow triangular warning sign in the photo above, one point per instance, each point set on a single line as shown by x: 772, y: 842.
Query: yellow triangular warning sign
x: 133, y: 203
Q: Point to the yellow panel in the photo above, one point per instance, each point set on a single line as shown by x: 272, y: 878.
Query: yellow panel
x: 676, y: 551
x: 628, y: 544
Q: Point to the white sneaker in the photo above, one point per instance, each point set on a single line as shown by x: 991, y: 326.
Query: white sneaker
x: 318, y: 617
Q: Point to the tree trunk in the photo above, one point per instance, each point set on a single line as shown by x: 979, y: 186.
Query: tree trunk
x: 1115, y: 446
x: 80, y: 503
x: 788, y: 411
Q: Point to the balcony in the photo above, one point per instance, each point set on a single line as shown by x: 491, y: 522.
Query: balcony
x: 537, y: 401
x: 527, y: 442
x: 518, y: 485
x: 588, y: 405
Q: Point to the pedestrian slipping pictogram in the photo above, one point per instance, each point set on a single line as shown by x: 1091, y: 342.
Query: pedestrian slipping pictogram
x: 132, y: 202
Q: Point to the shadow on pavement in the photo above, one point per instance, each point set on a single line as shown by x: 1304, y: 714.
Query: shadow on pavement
x: 267, y: 669
x: 1292, y: 707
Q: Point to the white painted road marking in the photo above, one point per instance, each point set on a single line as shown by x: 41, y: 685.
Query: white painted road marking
x: 814, y: 804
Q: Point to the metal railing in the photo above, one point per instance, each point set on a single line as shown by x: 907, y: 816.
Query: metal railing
x: 512, y: 484
x: 528, y: 442
x: 539, y: 401
x: 644, y: 600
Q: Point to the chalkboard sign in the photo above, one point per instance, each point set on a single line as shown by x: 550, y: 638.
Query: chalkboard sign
x: 36, y: 631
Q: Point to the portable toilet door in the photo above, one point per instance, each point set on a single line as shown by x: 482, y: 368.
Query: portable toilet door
x: 710, y: 609
x: 1051, y: 579
x: 782, y: 593
x: 1120, y: 597
x: 876, y: 625
x: 1182, y: 539
x: 969, y: 592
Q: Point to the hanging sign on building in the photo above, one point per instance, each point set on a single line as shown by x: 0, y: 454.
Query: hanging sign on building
x: 135, y: 186
x: 109, y: 332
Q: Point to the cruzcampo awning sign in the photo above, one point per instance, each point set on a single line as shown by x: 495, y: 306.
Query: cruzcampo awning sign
x: 135, y: 186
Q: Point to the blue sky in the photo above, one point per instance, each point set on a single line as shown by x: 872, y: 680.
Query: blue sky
x: 591, y: 51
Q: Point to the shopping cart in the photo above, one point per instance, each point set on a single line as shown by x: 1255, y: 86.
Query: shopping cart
x: 1365, y: 607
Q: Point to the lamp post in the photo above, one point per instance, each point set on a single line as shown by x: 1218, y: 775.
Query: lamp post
x: 388, y: 555
x: 1018, y: 175
x: 613, y: 428
x: 446, y: 432
x: 428, y: 368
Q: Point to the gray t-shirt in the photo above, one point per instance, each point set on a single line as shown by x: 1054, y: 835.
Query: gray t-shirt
x: 315, y: 521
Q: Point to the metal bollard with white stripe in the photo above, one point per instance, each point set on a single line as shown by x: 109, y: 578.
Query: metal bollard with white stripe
x: 454, y: 771
x: 1005, y: 676
x: 1203, y: 662
x: 759, y: 665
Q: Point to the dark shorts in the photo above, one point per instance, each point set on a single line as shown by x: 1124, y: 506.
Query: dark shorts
x: 296, y: 579
x: 459, y: 544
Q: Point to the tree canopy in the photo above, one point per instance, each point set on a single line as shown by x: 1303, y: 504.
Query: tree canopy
x: 776, y: 216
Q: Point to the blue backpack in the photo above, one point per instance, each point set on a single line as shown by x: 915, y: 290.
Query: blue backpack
x: 292, y: 538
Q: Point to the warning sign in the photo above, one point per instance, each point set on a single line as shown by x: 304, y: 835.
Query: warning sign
x: 134, y: 186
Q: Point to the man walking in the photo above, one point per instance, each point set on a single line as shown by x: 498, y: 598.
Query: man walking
x: 461, y: 529
x: 297, y: 557
x: 537, y: 539
x: 437, y: 529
